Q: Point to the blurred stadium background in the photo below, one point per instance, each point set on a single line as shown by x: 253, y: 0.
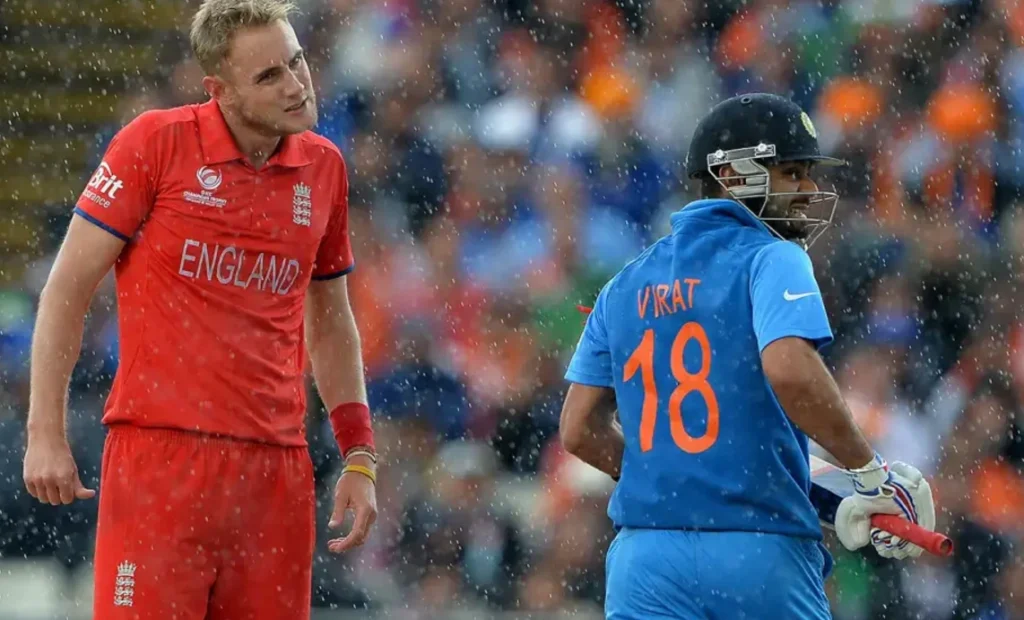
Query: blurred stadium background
x: 507, y: 156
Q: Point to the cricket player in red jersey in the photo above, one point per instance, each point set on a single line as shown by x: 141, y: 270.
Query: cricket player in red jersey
x: 226, y: 224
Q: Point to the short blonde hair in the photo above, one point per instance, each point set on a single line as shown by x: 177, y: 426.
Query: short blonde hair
x: 217, y: 21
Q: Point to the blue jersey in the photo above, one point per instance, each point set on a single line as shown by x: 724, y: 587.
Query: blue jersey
x: 678, y: 334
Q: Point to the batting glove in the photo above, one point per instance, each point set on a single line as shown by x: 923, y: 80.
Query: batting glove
x: 900, y: 490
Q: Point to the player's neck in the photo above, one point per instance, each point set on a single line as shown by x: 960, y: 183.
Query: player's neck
x: 256, y: 146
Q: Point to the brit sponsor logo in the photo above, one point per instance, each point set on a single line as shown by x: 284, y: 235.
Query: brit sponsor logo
x: 209, y: 179
x: 103, y: 186
x: 302, y: 204
x: 231, y: 266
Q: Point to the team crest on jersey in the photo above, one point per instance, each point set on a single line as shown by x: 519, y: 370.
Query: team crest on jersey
x: 124, y: 586
x: 302, y: 204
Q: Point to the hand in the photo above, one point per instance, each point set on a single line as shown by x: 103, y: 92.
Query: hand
x: 50, y: 473
x: 920, y: 492
x: 358, y: 493
x: 900, y: 490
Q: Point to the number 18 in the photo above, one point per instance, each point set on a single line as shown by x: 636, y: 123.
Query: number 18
x: 642, y: 359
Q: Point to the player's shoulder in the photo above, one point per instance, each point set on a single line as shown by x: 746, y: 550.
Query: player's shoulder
x: 779, y: 255
x: 779, y: 250
x: 720, y: 225
x: 155, y: 121
x: 639, y: 266
x: 321, y: 149
x: 156, y: 126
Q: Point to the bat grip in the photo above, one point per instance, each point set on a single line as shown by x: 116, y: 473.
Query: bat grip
x: 932, y: 542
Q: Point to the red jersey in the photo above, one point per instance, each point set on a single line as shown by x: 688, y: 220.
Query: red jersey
x: 211, y: 286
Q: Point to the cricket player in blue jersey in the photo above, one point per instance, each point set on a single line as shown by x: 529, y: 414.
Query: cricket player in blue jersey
x: 707, y: 346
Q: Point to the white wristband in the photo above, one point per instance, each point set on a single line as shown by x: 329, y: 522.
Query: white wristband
x: 871, y: 476
x: 366, y: 453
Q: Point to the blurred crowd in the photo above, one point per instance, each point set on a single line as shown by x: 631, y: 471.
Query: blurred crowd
x: 507, y: 157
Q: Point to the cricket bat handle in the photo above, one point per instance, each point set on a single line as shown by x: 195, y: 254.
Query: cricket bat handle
x: 932, y: 542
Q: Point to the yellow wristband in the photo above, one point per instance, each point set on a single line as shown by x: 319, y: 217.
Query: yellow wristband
x: 366, y: 471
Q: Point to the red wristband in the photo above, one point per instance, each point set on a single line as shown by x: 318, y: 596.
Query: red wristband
x: 351, y: 425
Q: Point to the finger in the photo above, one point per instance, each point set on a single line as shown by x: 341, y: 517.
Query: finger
x: 880, y: 541
x: 912, y: 474
x: 358, y: 534
x: 906, y: 505
x: 364, y: 519
x: 51, y: 490
x: 880, y: 538
x: 341, y: 506
x: 32, y: 488
x: 66, y: 490
x: 354, y: 538
x: 900, y: 553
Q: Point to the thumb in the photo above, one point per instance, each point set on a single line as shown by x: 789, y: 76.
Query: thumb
x: 81, y: 492
x: 852, y: 526
x: 340, y: 504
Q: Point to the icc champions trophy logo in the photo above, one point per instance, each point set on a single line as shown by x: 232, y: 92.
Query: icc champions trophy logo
x: 209, y: 179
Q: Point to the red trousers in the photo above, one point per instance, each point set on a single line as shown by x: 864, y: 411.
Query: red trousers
x: 197, y: 527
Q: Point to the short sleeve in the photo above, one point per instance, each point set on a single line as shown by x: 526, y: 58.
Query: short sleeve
x: 120, y: 193
x: 785, y: 297
x: 334, y: 257
x: 591, y: 363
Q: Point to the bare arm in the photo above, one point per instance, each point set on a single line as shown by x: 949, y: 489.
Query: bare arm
x: 85, y: 257
x: 810, y: 397
x: 589, y: 430
x: 333, y: 342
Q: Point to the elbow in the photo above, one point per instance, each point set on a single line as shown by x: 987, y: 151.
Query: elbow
x: 585, y: 413
x: 63, y: 298
x: 52, y: 291
x: 571, y: 443
x: 583, y: 416
x: 570, y: 435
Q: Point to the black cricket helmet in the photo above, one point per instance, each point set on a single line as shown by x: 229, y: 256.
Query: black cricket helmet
x: 751, y: 132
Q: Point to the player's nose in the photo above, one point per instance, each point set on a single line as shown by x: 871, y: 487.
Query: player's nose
x: 293, y: 87
x: 808, y: 185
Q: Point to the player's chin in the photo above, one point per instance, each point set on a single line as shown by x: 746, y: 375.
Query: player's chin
x: 793, y: 230
x: 297, y: 121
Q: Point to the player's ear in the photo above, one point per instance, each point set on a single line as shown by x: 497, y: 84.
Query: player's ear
x: 214, y: 86
x: 728, y: 176
x: 711, y: 188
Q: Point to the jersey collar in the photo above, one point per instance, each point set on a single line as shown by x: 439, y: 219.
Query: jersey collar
x: 290, y: 153
x: 718, y: 209
x: 219, y: 145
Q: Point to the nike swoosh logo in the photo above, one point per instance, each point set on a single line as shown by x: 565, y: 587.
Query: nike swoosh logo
x: 791, y: 297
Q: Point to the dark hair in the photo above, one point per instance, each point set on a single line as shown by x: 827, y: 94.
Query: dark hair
x: 709, y: 187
